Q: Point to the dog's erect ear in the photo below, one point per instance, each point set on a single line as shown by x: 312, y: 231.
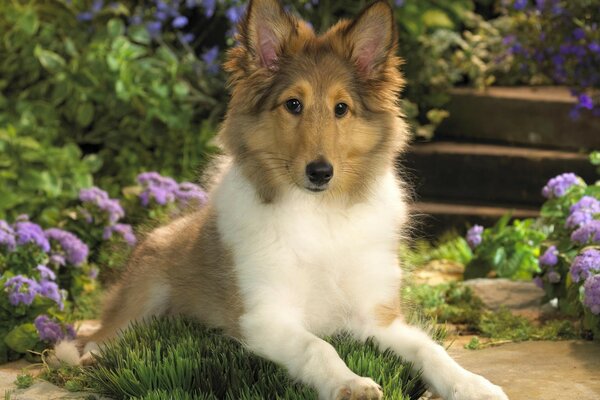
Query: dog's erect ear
x: 264, y: 31
x: 371, y: 37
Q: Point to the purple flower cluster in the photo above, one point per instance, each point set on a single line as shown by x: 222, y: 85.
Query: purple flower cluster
x: 583, y: 212
x: 99, y: 198
x: 7, y: 236
x: 163, y: 190
x: 52, y: 331
x: 550, y: 257
x: 587, y: 233
x: 124, y: 230
x: 585, y: 264
x: 565, y: 49
x: 22, y: 290
x: 591, y: 294
x: 28, y: 232
x: 73, y: 250
x: 558, y: 186
x: 474, y: 236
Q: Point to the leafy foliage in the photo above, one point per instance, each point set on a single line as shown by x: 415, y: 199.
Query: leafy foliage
x: 181, y: 357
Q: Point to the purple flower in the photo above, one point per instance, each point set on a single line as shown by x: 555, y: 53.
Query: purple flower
x: 7, y: 236
x: 100, y: 199
x: 583, y: 212
x: 75, y: 251
x: 209, y: 7
x: 97, y: 5
x: 179, y: 22
x: 52, y: 331
x: 589, y: 232
x: 85, y: 16
x: 585, y: 264
x: 578, y: 34
x: 591, y: 294
x: 21, y: 290
x: 58, y: 260
x: 93, y: 274
x: 50, y: 290
x: 28, y: 232
x: 92, y: 195
x: 474, y: 236
x: 585, y: 101
x: 520, y: 4
x: 210, y: 57
x: 550, y: 257
x: 46, y: 273
x: 235, y: 13
x: 156, y: 187
x: 558, y: 186
x: 188, y: 37
x: 538, y: 282
x: 399, y: 3
x: 188, y: 193
x: 154, y: 28
x: 122, y: 229
x: 594, y: 47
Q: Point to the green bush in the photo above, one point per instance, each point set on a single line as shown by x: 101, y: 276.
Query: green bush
x: 180, y: 357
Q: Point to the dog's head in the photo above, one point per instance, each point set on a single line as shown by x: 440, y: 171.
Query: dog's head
x: 318, y: 113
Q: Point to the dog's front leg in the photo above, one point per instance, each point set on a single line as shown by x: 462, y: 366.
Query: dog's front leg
x: 276, y: 334
x: 440, y: 371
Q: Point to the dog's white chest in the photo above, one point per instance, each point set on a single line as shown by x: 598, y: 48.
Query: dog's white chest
x: 311, y: 256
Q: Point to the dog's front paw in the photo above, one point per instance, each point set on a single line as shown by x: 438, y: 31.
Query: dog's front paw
x: 358, y: 389
x: 476, y: 387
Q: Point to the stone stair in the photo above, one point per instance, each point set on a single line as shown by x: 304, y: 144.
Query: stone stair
x: 494, y: 154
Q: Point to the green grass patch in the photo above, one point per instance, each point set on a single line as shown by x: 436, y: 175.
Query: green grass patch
x: 24, y: 381
x: 457, y: 304
x: 180, y: 358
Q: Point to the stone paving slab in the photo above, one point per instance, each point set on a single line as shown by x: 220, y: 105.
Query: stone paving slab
x: 544, y: 370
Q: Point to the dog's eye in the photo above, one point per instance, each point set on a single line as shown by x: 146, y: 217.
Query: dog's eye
x: 294, y: 106
x: 341, y: 109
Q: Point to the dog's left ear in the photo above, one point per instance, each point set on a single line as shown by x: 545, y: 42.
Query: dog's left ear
x: 371, y: 38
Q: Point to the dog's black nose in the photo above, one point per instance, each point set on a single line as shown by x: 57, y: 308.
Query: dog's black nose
x: 319, y: 172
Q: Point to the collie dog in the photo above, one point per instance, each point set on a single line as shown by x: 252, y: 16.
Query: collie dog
x: 300, y: 236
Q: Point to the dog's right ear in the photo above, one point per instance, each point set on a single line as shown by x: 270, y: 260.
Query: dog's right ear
x: 263, y: 33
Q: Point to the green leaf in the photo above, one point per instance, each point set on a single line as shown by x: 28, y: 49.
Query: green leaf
x: 22, y: 338
x: 85, y: 114
x: 50, y: 60
x: 115, y: 27
x: 29, y: 23
x: 139, y: 34
x: 437, y: 19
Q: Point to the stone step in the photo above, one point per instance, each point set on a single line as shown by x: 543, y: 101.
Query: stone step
x: 533, y: 116
x: 454, y: 172
x: 431, y: 219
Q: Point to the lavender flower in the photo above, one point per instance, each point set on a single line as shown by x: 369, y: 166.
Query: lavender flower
x: 93, y: 274
x: 589, y: 232
x: 154, y: 28
x: 99, y: 198
x: 7, y: 236
x: 586, y: 263
x: 28, y: 232
x: 474, y: 236
x: 583, y: 212
x: 235, y: 13
x: 558, y: 186
x: 58, y: 260
x: 550, y: 257
x: 585, y: 101
x: 179, y: 22
x: 46, y: 273
x: 21, y: 290
x: 50, y: 290
x: 210, y: 58
x: 156, y: 187
x: 591, y: 294
x: 122, y: 229
x: 538, y: 282
x: 75, y: 251
x: 520, y: 5
x: 188, y: 193
x: 52, y: 331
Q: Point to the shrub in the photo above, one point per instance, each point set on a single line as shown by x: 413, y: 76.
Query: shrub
x: 565, y: 240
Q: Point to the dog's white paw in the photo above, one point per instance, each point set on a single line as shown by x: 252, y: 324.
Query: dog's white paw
x: 358, y: 389
x: 476, y: 387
